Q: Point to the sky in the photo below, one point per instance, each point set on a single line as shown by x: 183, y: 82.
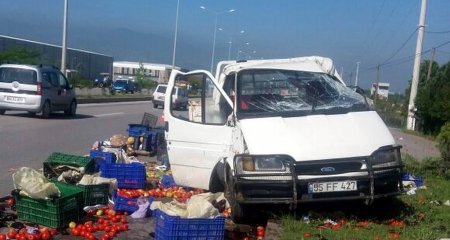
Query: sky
x: 370, y: 32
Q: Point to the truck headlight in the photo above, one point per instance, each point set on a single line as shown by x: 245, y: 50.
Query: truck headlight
x: 385, y: 158
x: 261, y: 164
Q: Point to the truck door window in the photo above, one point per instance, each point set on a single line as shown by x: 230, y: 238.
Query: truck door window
x: 205, y: 104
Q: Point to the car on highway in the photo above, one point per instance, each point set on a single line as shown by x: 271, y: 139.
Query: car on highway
x: 123, y: 86
x: 36, y: 89
x: 103, y: 80
x: 279, y: 131
x: 179, y: 97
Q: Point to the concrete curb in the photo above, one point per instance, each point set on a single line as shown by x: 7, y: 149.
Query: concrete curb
x: 112, y: 99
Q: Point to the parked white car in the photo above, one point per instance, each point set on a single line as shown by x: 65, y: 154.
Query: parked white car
x: 280, y: 131
x: 179, y: 97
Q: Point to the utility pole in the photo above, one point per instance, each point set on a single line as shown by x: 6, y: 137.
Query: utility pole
x: 64, y: 40
x: 342, y: 72
x: 357, y: 71
x: 430, y: 64
x: 377, y: 83
x: 411, y: 120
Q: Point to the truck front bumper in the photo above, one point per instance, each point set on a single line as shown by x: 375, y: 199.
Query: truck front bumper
x: 294, y: 187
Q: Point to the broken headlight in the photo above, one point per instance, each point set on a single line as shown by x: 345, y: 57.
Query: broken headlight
x: 262, y: 163
x: 386, y: 158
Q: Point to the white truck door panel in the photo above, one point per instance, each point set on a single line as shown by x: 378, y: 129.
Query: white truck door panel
x: 199, y: 137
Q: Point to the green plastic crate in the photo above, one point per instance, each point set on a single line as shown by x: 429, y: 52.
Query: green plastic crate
x: 95, y: 194
x: 55, y: 213
x: 58, y: 159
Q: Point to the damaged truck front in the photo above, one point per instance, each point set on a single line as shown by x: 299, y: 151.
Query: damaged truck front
x: 279, y: 131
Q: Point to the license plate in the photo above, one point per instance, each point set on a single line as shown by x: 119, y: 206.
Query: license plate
x: 339, y: 186
x: 14, y: 99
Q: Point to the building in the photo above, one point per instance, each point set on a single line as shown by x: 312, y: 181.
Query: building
x: 87, y: 64
x: 383, y: 90
x: 157, y: 72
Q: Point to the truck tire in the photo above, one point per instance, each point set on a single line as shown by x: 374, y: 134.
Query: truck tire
x: 237, y: 209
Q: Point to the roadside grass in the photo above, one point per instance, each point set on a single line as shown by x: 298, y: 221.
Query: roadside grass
x: 419, y: 216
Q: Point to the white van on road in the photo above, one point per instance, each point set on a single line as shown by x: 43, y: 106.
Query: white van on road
x: 280, y: 131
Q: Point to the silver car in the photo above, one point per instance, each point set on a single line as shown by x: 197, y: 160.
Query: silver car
x: 36, y: 89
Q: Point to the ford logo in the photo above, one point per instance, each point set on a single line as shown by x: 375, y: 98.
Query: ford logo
x: 327, y: 169
x: 15, y: 84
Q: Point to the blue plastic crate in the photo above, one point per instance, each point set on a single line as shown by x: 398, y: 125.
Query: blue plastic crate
x: 151, y: 141
x: 135, y: 130
x: 174, y: 227
x: 128, y: 175
x: 128, y: 204
x: 102, y: 157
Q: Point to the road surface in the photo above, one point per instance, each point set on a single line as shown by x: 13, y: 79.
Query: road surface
x: 416, y: 146
x: 28, y: 140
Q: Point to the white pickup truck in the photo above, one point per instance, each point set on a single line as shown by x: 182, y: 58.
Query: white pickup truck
x: 280, y: 131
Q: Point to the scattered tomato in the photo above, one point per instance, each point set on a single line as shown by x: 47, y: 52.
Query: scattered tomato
x: 307, y: 235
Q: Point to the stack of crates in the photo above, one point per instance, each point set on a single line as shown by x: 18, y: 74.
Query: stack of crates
x: 91, y: 194
x: 143, y: 136
x: 57, y: 212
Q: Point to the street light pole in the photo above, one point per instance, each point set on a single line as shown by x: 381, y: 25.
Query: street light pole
x: 64, y: 40
x: 175, y: 40
x: 215, y: 31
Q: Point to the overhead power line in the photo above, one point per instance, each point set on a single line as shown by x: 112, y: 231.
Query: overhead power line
x: 405, y: 59
x: 400, y: 48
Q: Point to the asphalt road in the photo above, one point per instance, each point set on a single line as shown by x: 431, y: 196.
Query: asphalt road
x: 28, y: 140
x: 416, y: 146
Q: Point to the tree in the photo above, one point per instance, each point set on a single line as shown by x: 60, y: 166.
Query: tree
x: 20, y: 56
x: 433, y: 98
x: 143, y: 79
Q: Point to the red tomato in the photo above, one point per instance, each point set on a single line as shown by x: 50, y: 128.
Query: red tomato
x: 12, y: 233
x: 105, y: 237
x: 75, y: 232
x: 2, y: 236
x: 307, y: 235
x: 10, y: 202
x: 53, y: 232
x: 23, y: 231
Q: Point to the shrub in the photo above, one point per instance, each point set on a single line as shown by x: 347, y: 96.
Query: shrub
x: 444, y: 145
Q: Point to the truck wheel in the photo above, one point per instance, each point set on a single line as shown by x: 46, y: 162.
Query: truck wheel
x: 46, y: 110
x: 2, y: 111
x: 155, y: 105
x: 237, y: 210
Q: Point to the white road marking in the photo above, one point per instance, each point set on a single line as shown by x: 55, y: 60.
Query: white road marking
x: 109, y: 114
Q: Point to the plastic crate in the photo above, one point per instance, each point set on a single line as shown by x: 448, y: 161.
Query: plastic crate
x: 174, y: 227
x: 128, y: 204
x: 100, y: 157
x: 95, y: 194
x: 58, y: 159
x: 55, y: 213
x: 151, y: 141
x: 137, y: 130
x: 128, y: 175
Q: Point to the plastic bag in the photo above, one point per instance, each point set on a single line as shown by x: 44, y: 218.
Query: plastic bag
x: 34, y: 184
x: 143, y: 205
